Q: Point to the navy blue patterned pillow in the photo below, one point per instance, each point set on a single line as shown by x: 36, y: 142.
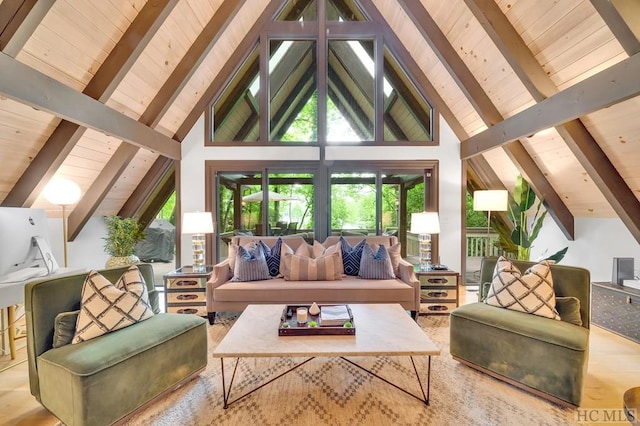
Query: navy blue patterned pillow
x: 272, y: 254
x: 376, y: 266
x: 251, y: 264
x: 351, y: 256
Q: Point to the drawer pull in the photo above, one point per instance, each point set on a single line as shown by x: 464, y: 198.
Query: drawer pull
x: 186, y: 283
x: 436, y: 280
x: 437, y: 308
x: 187, y: 296
x: 437, y: 294
x: 187, y: 311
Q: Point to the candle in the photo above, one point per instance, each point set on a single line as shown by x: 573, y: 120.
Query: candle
x: 301, y: 314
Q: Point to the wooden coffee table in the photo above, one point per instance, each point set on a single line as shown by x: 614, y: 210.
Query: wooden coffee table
x: 381, y: 330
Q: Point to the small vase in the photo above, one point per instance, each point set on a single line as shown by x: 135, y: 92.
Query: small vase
x: 120, y: 261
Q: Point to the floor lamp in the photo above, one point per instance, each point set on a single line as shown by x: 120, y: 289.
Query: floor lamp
x: 424, y: 224
x: 63, y: 192
x: 488, y: 201
x: 198, y: 224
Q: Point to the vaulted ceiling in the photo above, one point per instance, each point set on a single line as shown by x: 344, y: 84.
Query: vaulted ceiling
x: 103, y: 92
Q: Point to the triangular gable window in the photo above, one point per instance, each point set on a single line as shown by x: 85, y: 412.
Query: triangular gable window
x: 334, y: 92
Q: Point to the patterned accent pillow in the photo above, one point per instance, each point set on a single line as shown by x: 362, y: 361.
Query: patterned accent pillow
x: 105, y: 307
x: 530, y: 293
x: 351, y: 256
x: 304, y: 268
x: 251, y: 265
x: 376, y: 266
x: 272, y: 255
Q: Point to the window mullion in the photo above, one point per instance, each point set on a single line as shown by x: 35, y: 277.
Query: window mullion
x: 379, y: 85
x: 264, y: 88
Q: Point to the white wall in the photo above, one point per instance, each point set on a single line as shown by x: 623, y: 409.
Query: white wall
x: 86, y: 251
x: 597, y: 242
x: 194, y: 153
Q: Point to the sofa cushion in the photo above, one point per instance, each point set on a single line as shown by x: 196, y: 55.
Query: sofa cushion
x: 105, y: 307
x: 569, y: 309
x: 64, y: 327
x: 351, y: 256
x: 272, y: 256
x: 376, y: 265
x: 559, y: 333
x: 304, y: 268
x: 531, y: 293
x: 251, y: 264
x: 348, y: 290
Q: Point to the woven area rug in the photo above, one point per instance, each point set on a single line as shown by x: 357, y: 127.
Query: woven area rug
x: 330, y: 391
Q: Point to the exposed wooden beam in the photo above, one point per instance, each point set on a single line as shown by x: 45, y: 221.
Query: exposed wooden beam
x: 29, y: 86
x: 227, y: 71
x: 611, y: 86
x: 25, y: 17
x: 575, y: 134
x: 144, y: 191
x: 489, y: 113
x: 101, y: 87
x: 617, y: 25
x: 100, y: 188
x: 190, y: 62
x: 159, y: 197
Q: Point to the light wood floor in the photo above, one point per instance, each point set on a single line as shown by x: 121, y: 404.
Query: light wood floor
x: 614, y: 366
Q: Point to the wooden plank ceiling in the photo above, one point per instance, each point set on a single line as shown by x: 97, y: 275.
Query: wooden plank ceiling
x: 488, y: 66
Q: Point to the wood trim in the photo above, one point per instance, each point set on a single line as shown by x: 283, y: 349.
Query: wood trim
x: 143, y: 192
x: 190, y: 62
x: 617, y: 25
x: 100, y: 188
x: 31, y: 87
x: 609, y: 87
x: 101, y: 87
x: 227, y: 71
x: 23, y: 22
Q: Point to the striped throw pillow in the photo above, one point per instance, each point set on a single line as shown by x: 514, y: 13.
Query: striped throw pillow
x: 304, y: 268
x: 376, y: 265
x: 251, y: 264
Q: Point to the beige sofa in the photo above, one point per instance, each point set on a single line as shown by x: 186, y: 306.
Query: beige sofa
x: 224, y: 295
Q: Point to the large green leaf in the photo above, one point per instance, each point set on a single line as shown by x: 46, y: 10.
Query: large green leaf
x: 558, y: 256
x: 523, y: 194
x: 520, y: 237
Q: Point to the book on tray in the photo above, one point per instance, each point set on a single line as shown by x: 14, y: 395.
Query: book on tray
x: 334, y: 315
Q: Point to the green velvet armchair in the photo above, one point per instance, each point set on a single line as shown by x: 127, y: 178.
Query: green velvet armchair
x: 544, y: 356
x: 105, y: 379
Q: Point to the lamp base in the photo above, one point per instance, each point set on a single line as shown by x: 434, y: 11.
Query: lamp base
x: 425, y: 252
x: 198, y: 246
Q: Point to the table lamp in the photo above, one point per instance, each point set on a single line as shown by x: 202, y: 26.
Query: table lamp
x: 63, y: 192
x: 424, y: 224
x: 490, y: 200
x: 198, y: 224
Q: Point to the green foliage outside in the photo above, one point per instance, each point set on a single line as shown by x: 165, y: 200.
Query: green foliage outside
x: 168, y: 211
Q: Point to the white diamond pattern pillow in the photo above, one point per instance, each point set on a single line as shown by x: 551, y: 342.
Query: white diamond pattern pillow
x: 106, y: 307
x: 530, y: 293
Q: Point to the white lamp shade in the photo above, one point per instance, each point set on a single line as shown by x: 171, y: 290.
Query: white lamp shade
x: 197, y: 223
x: 62, y: 192
x: 490, y: 200
x: 425, y: 223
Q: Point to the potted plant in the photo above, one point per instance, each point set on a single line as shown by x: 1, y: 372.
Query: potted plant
x: 120, y: 243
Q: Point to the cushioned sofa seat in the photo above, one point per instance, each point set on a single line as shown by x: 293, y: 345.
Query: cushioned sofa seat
x: 122, y: 367
x: 347, y: 289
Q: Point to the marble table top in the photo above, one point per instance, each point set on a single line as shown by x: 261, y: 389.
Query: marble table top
x: 381, y: 329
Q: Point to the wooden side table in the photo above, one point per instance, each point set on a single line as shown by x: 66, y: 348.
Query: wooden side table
x: 438, y: 291
x: 186, y: 291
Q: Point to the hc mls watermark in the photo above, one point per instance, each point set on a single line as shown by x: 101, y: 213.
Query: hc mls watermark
x: 605, y: 415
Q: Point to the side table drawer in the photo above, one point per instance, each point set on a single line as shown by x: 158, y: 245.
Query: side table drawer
x: 435, y: 295
x: 437, y: 280
x: 187, y: 297
x: 191, y: 310
x: 186, y: 283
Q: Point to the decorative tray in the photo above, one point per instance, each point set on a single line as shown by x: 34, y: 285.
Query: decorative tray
x: 289, y: 325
